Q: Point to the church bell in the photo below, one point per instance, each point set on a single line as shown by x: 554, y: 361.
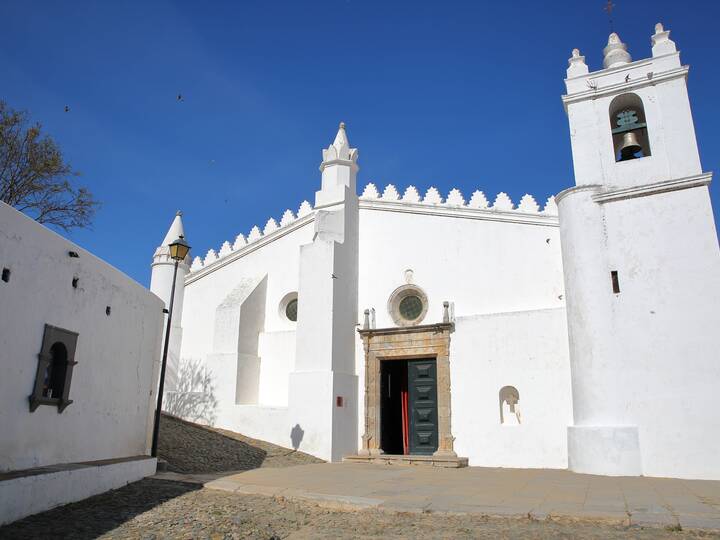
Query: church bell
x: 630, y: 146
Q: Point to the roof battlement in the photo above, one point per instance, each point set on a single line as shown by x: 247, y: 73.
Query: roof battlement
x: 478, y: 207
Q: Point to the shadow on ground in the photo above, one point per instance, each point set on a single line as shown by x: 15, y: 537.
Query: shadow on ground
x: 97, y: 515
x: 194, y: 449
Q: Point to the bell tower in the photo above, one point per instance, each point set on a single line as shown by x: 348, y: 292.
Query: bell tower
x: 642, y: 270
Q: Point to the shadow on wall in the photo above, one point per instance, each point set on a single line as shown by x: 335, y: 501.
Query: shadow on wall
x: 194, y: 399
x: 296, y: 436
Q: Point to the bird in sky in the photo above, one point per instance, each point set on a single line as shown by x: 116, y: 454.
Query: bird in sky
x: 67, y: 109
x: 180, y: 97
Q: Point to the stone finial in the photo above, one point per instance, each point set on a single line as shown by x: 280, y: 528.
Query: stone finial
x: 478, y: 200
x: 432, y: 196
x: 304, y: 210
x: 255, y: 234
x: 661, y: 42
x: 240, y: 242
x: 270, y: 226
x: 615, y: 53
x: 370, y: 192
x: 576, y: 65
x: 455, y: 198
x: 411, y: 195
x: 225, y: 249
x: 340, y: 149
x: 551, y: 208
x: 503, y: 202
x: 390, y: 193
x: 446, y: 312
x: 287, y: 218
x: 528, y: 205
x: 210, y: 258
x: 196, y: 264
x: 366, y: 320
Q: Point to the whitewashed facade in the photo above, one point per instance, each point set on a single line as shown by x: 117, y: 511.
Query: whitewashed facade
x: 547, y: 367
x: 90, y: 432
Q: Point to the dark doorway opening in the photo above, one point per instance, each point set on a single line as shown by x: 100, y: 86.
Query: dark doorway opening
x: 393, y: 423
x: 408, y: 406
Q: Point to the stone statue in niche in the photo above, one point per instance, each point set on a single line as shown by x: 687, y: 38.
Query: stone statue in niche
x: 509, y: 408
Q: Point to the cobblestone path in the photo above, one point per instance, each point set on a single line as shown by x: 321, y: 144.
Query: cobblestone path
x: 157, y: 509
x: 193, y: 449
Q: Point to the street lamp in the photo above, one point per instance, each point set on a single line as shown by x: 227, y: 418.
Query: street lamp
x: 178, y: 251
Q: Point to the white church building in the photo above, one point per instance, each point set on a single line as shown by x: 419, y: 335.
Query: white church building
x: 447, y: 329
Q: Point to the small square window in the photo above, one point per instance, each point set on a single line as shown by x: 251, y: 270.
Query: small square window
x: 55, y: 368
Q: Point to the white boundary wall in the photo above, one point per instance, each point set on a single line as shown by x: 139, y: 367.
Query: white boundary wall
x: 113, y: 383
x: 28, y: 495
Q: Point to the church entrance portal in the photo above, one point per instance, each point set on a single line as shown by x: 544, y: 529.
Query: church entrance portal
x: 414, y: 360
x: 408, y: 406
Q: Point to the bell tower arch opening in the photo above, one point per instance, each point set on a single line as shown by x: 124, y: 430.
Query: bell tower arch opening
x: 629, y: 127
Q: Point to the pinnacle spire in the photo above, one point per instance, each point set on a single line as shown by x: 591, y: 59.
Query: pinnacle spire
x: 340, y: 148
x: 175, y: 231
x: 615, y: 53
x: 341, y: 140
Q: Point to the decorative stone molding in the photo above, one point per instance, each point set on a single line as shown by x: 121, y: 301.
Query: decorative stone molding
x: 387, y: 344
x: 653, y: 189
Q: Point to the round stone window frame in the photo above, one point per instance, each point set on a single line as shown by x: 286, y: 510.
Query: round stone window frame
x: 282, y: 307
x: 398, y: 295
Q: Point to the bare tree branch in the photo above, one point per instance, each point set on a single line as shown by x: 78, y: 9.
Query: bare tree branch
x: 34, y: 178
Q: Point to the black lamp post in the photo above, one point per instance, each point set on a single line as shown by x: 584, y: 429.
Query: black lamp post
x: 178, y: 251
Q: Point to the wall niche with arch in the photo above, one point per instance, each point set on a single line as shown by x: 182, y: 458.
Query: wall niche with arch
x: 509, y: 399
x: 55, y: 368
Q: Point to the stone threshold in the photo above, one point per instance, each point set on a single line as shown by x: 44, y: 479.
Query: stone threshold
x: 61, y: 467
x: 446, y: 462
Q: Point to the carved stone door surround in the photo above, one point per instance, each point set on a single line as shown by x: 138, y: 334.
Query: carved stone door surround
x: 403, y: 343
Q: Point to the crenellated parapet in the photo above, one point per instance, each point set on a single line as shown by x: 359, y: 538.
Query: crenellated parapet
x: 455, y: 199
x: 242, y: 242
x: 411, y: 197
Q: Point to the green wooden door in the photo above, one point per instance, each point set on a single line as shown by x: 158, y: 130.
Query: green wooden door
x: 422, y: 389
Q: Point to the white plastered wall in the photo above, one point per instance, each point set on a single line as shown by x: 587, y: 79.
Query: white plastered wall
x: 113, y: 383
x: 504, y: 280
x: 275, y: 262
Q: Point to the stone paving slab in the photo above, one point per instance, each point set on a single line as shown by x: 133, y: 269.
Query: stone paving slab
x: 538, y: 493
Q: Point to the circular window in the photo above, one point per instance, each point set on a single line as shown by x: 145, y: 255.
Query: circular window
x: 288, y: 307
x: 408, y: 305
x: 291, y: 310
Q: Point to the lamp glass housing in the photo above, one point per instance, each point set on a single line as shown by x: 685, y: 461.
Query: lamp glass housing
x: 179, y: 249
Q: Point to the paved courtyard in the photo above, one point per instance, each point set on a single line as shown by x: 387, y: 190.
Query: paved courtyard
x: 162, y: 509
x: 537, y: 493
x: 289, y: 495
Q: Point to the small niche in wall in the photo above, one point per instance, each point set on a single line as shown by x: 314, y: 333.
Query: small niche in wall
x: 6, y: 275
x: 509, y: 406
x: 615, y: 281
x: 108, y: 310
x: 75, y: 282
x: 55, y: 368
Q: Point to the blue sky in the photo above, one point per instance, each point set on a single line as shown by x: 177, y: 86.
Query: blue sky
x: 450, y: 94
